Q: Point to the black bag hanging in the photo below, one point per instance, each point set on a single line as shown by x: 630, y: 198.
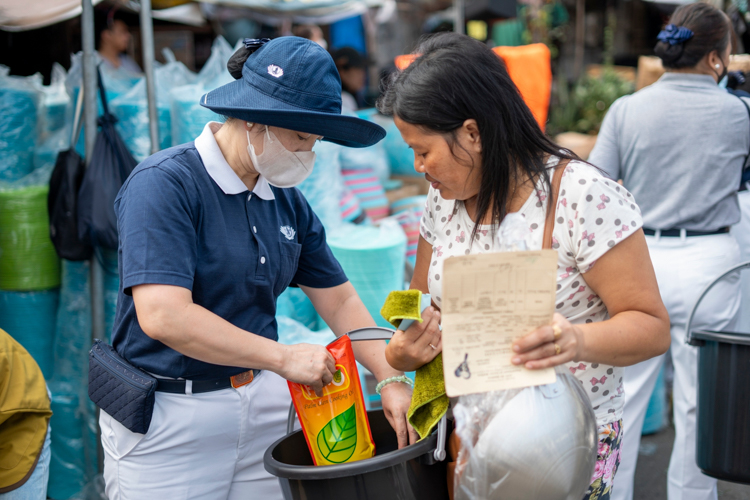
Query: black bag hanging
x: 62, y: 200
x: 111, y: 163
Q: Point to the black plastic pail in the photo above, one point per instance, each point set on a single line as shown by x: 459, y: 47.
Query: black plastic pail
x: 723, y: 437
x: 411, y: 473
x: 723, y: 404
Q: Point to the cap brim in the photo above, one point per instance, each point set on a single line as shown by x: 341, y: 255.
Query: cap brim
x: 240, y: 100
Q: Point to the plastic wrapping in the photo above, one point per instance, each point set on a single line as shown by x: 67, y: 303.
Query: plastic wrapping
x: 400, y: 157
x: 510, y: 445
x: 28, y: 258
x: 188, y: 116
x: 108, y: 260
x: 131, y: 109
x: 369, y: 191
x: 67, y: 462
x: 373, y: 157
x: 29, y: 317
x: 55, y: 104
x: 20, y: 100
x: 324, y: 186
x: 373, y: 260
x: 409, y: 221
x: 117, y: 81
x: 535, y: 443
x: 294, y: 304
x: 293, y: 332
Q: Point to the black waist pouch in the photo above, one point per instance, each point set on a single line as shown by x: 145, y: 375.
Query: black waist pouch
x: 123, y: 391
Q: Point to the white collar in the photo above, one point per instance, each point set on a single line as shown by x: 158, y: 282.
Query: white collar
x: 220, y: 171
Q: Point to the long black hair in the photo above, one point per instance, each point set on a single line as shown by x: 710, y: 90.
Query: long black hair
x: 712, y: 30
x: 456, y: 78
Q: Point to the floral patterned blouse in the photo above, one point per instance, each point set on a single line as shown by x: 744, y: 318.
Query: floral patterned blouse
x: 593, y: 215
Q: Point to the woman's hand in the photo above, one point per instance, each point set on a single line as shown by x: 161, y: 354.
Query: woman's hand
x: 550, y: 345
x: 418, y: 345
x: 308, y: 364
x: 396, y: 398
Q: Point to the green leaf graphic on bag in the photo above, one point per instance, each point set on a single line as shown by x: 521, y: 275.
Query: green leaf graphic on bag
x: 338, y: 439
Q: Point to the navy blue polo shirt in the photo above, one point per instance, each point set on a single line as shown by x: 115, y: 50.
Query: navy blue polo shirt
x: 186, y: 219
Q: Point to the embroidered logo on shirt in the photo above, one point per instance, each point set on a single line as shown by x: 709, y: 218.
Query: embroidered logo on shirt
x: 275, y: 71
x: 288, y: 232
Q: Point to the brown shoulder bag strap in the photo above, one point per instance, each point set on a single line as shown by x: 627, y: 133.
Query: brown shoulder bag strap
x: 549, y: 224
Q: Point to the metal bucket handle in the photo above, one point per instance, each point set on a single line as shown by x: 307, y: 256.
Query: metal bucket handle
x: 378, y: 333
x: 689, y: 337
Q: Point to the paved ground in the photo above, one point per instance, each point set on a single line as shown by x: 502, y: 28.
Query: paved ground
x: 651, y: 472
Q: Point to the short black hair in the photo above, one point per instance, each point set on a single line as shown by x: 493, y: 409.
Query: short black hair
x: 103, y: 20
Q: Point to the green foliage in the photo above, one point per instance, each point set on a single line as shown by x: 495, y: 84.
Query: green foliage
x: 338, y: 439
x: 583, y: 109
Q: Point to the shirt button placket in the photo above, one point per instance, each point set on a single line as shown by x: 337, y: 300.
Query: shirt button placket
x: 261, y: 272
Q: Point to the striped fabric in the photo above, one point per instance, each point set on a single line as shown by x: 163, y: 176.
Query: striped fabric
x: 350, y: 209
x: 409, y: 221
x: 369, y: 192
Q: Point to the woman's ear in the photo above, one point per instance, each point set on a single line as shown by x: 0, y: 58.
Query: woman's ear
x: 471, y: 132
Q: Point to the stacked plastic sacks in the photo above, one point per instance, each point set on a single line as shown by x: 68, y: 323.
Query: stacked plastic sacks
x: 20, y: 99
x: 131, y: 109
x: 117, y: 81
x: 29, y: 261
x: 409, y: 221
x: 373, y: 260
x: 188, y: 116
x: 74, y: 440
x: 29, y: 317
x: 56, y: 115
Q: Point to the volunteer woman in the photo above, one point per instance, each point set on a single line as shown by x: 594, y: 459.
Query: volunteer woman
x: 679, y: 146
x: 210, y: 234
x: 476, y: 141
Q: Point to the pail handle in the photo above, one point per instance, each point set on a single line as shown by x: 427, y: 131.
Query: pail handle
x: 379, y: 333
x: 688, y: 332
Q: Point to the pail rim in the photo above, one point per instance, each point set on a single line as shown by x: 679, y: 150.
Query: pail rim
x: 723, y: 337
x: 424, y: 447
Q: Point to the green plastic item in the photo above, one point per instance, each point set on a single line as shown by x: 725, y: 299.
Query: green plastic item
x: 28, y: 260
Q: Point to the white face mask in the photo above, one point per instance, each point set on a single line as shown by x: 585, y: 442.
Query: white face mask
x: 280, y: 167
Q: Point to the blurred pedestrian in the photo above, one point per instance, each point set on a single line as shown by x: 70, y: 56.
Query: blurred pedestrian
x: 113, y: 41
x: 679, y: 146
x: 312, y: 32
x: 352, y: 68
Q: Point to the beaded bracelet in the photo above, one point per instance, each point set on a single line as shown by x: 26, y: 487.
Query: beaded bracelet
x: 401, y: 378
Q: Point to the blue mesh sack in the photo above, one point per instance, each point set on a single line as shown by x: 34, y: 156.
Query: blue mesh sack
x: 188, y: 116
x: 20, y: 99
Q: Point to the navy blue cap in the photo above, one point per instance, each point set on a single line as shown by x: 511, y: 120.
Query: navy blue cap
x: 292, y: 83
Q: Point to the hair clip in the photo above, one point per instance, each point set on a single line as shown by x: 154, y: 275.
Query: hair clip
x: 254, y: 44
x: 673, y: 35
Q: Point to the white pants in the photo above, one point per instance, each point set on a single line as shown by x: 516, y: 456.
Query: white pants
x: 741, y: 232
x: 204, y: 446
x: 683, y: 269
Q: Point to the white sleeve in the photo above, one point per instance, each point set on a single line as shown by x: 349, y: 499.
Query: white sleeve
x: 597, y: 213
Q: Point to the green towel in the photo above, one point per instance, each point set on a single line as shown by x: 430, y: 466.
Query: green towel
x: 428, y: 402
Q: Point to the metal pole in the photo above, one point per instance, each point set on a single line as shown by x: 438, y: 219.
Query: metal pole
x: 90, y: 112
x: 458, y: 22
x: 147, y: 41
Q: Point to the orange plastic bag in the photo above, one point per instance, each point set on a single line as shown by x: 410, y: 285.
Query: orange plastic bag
x: 335, y: 425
